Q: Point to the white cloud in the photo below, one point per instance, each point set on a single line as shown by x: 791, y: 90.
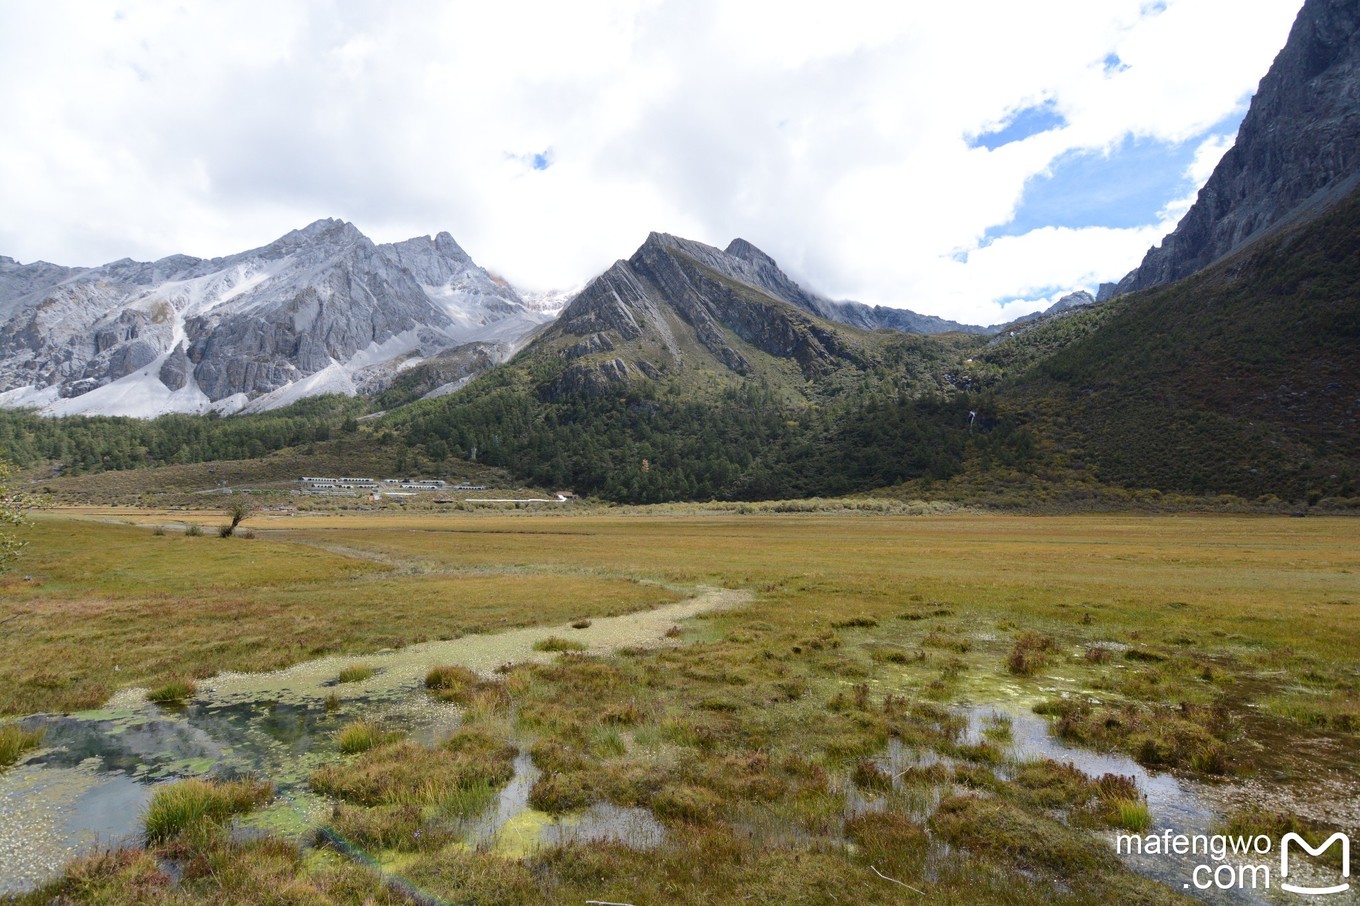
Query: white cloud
x: 836, y: 138
x: 1207, y: 156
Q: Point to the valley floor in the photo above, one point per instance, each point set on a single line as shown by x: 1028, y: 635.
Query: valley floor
x: 964, y: 707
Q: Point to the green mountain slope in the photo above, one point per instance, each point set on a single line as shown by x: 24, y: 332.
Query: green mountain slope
x: 1242, y: 379
x: 688, y: 373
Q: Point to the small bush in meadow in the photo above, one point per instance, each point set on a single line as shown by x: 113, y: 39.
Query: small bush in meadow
x: 457, y: 684
x: 1030, y: 654
x: 1099, y: 654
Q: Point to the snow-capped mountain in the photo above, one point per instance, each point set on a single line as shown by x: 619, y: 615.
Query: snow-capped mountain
x: 321, y: 310
x: 549, y: 302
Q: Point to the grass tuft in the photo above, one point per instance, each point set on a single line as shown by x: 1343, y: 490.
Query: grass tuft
x: 15, y: 741
x: 455, y: 683
x: 356, y: 673
x: 557, y: 643
x: 1130, y: 814
x: 854, y: 623
x: 1254, y: 820
x: 362, y: 735
x: 175, y: 692
x: 557, y: 793
x: 191, y: 804
x: 869, y: 776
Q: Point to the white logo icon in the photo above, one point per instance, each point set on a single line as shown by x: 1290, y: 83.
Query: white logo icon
x: 1345, y: 862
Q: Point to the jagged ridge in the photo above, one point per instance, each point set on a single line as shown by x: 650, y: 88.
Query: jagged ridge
x: 322, y: 309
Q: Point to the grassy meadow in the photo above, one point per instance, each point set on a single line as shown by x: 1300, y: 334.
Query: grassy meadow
x: 1194, y: 644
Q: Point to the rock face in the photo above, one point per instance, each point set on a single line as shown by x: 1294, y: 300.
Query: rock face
x: 676, y: 301
x: 1071, y: 300
x: 1297, y: 151
x: 322, y: 309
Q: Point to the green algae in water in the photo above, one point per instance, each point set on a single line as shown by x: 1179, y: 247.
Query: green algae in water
x: 294, y: 817
x: 522, y: 834
x: 277, y: 726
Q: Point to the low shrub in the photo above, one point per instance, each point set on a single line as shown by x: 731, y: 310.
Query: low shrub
x: 1030, y: 654
x: 457, y: 684
x: 557, y: 793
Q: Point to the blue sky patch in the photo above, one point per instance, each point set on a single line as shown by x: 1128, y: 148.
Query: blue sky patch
x: 1127, y: 188
x: 1027, y: 122
x: 534, y: 160
x: 1043, y: 294
x: 1113, y: 64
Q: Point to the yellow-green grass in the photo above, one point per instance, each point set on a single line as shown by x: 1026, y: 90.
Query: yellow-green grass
x: 219, y: 872
x: 362, y: 735
x: 744, y: 740
x: 1250, y: 588
x: 405, y: 773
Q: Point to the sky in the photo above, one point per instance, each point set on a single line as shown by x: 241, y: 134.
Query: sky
x: 973, y: 160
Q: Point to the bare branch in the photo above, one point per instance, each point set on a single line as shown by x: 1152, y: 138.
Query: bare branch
x: 895, y: 881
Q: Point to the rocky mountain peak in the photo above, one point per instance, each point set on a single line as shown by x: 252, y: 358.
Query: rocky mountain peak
x: 322, y: 309
x: 434, y: 262
x: 445, y: 245
x: 740, y: 248
x: 1297, y: 150
x: 327, y: 233
x: 1071, y: 300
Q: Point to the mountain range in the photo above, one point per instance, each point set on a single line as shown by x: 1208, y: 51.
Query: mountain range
x: 320, y: 310
x: 1227, y: 362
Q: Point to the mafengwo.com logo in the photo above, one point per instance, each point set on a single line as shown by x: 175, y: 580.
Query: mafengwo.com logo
x: 1239, y: 863
x: 1338, y: 837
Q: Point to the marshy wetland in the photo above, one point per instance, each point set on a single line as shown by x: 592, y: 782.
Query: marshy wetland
x: 660, y: 708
